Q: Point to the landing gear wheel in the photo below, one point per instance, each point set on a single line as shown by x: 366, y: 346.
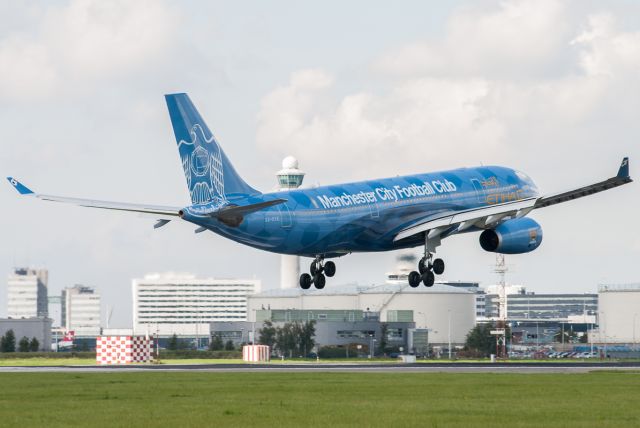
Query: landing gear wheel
x: 414, y: 279
x: 319, y: 281
x: 428, y: 278
x: 438, y: 266
x: 329, y: 269
x: 314, y: 268
x: 305, y: 281
x: 422, y: 265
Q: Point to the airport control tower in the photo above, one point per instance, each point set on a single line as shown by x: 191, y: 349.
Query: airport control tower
x: 289, y: 177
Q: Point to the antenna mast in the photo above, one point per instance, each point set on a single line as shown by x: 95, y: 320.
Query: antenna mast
x: 501, y: 269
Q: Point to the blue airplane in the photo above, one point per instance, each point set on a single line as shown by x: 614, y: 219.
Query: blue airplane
x: 332, y: 221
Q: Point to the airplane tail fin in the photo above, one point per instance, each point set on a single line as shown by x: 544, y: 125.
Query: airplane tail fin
x: 210, y: 176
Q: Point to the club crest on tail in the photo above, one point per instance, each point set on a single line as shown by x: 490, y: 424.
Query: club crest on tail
x: 203, y: 167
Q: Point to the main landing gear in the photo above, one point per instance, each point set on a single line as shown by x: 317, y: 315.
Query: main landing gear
x: 427, y: 267
x: 319, y: 271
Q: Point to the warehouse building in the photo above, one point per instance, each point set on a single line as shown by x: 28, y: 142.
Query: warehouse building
x: 447, y: 312
x: 40, y: 328
x: 619, y: 314
x: 332, y: 328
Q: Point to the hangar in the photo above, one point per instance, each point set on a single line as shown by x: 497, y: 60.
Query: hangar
x: 447, y: 312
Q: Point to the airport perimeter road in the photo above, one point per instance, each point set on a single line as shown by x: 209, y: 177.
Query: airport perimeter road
x: 352, y: 368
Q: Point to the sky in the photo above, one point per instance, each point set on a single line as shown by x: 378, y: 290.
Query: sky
x: 354, y: 90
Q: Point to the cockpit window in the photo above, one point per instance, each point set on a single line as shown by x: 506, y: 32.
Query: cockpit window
x: 522, y: 176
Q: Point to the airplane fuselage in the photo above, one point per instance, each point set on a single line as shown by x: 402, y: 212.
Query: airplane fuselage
x: 366, y: 216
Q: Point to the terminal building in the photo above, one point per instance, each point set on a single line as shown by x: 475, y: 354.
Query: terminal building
x: 537, y: 319
x: 526, y: 306
x: 182, y: 304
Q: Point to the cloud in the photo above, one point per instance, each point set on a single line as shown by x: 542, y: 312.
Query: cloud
x: 608, y: 52
x: 26, y: 69
x: 520, y: 39
x: 80, y: 42
x: 469, y: 96
x: 365, y: 130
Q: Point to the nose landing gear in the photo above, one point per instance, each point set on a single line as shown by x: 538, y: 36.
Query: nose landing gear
x: 319, y: 270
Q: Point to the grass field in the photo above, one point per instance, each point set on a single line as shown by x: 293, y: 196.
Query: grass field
x: 597, y: 399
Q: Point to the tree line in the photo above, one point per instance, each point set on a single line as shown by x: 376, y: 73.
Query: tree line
x: 8, y: 343
x: 293, y: 339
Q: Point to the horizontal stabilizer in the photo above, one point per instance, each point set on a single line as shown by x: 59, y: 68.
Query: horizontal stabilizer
x: 160, y: 223
x: 240, y: 210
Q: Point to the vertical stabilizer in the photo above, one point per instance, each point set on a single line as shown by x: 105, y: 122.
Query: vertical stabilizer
x: 210, y: 176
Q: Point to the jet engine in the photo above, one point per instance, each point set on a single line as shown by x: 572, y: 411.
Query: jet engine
x: 516, y: 236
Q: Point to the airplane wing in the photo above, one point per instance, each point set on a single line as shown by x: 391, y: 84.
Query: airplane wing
x: 486, y: 217
x: 162, y: 213
x: 621, y: 178
x: 481, y: 217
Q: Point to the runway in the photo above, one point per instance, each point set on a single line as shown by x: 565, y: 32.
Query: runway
x: 347, y: 368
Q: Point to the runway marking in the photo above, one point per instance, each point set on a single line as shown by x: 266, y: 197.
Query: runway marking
x: 440, y: 368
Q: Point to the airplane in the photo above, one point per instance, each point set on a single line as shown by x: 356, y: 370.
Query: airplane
x: 369, y: 216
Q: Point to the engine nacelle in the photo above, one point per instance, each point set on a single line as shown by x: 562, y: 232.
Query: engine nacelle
x: 515, y: 236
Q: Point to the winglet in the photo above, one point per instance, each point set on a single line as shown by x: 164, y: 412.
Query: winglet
x: 21, y: 188
x: 623, y: 172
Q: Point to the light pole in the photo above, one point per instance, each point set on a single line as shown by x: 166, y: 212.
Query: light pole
x: 449, y: 332
x: 429, y: 330
x: 371, y: 346
x: 634, y: 329
x: 253, y: 327
x: 603, y: 340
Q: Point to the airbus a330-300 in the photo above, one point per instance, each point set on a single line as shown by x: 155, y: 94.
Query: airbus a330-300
x: 332, y: 221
